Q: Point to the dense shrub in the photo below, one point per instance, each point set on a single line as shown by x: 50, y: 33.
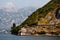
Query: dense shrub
x: 42, y: 32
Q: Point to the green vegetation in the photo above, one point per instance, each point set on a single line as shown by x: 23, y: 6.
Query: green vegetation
x: 41, y: 12
x: 35, y: 16
x: 42, y: 32
x: 14, y: 29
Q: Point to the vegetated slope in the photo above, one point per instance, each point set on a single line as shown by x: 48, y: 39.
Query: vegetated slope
x: 35, y: 16
x: 41, y: 12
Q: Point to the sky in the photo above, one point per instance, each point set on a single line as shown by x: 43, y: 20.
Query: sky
x: 22, y: 3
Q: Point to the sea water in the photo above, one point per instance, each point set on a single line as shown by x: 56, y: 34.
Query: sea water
x: 6, y: 36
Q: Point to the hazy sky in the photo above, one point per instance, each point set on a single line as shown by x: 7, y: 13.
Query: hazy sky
x: 22, y: 3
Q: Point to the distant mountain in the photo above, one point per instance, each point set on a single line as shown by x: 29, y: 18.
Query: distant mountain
x: 7, y: 18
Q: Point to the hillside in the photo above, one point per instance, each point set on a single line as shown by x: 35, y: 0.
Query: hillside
x: 41, y: 12
x: 40, y: 16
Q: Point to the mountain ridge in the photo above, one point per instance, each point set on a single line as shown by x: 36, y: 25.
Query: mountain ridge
x: 38, y: 17
x: 41, y: 12
x: 8, y: 17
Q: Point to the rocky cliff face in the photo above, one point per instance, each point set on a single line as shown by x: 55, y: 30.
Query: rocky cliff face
x: 42, y: 12
x: 50, y: 19
x: 44, y: 19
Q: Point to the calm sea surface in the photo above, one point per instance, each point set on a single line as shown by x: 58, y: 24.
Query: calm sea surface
x: 4, y: 36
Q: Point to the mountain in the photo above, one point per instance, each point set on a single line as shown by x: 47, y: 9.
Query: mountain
x: 47, y: 15
x: 41, y: 12
x: 45, y: 20
x: 10, y: 16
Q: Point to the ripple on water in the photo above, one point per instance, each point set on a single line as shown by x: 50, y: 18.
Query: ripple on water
x: 14, y: 37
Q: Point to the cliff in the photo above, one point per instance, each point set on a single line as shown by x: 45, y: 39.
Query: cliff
x: 43, y: 16
x: 41, y: 12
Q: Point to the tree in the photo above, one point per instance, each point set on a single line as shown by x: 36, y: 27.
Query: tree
x: 14, y: 30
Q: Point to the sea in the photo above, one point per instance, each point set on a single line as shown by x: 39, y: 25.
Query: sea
x: 8, y: 36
